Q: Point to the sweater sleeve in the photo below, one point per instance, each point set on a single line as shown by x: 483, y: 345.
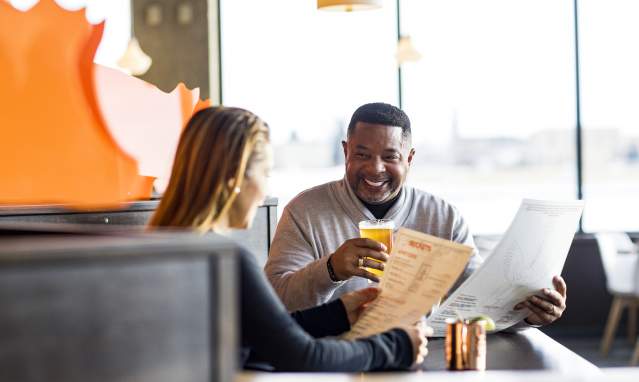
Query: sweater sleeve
x: 272, y: 334
x: 323, y: 320
x: 300, y: 280
x: 462, y: 235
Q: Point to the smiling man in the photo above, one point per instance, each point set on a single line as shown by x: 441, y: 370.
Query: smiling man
x: 317, y: 255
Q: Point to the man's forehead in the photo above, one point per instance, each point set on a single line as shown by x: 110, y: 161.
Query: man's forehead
x: 361, y: 125
x: 365, y: 131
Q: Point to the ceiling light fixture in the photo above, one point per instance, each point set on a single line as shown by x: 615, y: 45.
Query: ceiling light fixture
x: 406, y: 51
x: 348, y: 5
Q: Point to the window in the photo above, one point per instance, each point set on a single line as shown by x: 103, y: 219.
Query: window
x: 492, y: 102
x: 492, y: 99
x: 305, y: 72
x: 610, y: 100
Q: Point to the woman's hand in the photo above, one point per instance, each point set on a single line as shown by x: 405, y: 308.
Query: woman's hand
x: 418, y: 334
x: 355, y: 302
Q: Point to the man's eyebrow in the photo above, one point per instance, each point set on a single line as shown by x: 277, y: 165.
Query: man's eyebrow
x: 361, y: 147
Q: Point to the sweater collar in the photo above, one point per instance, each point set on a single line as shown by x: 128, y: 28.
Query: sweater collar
x: 356, y: 210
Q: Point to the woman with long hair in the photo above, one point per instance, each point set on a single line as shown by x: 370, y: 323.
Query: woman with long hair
x: 218, y: 181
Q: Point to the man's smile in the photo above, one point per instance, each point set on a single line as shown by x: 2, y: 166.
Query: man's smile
x: 375, y: 183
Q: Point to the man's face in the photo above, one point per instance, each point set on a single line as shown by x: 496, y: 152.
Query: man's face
x: 377, y: 161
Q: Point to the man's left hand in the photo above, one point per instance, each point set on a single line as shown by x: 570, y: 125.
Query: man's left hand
x: 545, y: 310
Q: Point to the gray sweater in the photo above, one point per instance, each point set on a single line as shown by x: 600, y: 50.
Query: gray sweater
x: 316, y: 222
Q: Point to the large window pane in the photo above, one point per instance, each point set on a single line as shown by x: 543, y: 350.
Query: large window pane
x: 610, y: 99
x: 305, y: 71
x: 492, y: 103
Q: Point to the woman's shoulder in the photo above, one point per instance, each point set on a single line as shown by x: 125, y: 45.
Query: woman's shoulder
x: 245, y: 255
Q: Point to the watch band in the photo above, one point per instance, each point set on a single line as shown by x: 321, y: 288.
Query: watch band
x: 331, y: 271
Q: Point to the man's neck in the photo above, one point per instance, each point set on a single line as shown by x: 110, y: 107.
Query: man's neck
x: 380, y: 210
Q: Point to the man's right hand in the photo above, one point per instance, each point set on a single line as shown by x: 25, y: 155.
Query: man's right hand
x: 345, y: 261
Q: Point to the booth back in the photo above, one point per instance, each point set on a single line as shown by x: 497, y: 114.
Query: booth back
x: 257, y: 239
x: 105, y: 308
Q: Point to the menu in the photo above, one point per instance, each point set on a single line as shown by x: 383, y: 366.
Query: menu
x: 530, y: 253
x: 421, y: 269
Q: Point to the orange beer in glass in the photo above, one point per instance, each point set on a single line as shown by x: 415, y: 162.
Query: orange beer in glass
x: 380, y: 230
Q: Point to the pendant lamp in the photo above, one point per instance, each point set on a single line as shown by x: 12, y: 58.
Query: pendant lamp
x: 406, y: 51
x: 348, y: 5
x: 135, y: 61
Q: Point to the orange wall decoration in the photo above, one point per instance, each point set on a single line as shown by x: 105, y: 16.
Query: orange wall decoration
x: 144, y: 120
x: 55, y: 144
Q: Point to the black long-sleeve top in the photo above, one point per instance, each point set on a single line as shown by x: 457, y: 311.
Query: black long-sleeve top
x: 288, y: 343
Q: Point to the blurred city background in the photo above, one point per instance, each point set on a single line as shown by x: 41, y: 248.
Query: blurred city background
x: 491, y: 97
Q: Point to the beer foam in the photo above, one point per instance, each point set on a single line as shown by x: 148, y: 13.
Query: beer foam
x: 377, y: 224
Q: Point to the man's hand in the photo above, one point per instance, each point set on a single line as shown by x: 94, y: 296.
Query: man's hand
x: 546, y: 310
x: 345, y: 260
x: 355, y: 302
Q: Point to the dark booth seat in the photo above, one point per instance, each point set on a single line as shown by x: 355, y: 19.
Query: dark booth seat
x: 89, y: 296
x: 151, y: 307
x: 133, y: 216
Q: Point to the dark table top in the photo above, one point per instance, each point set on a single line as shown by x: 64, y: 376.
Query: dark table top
x: 528, y: 349
x: 525, y: 356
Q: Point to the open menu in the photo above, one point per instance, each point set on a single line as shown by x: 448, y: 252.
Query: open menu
x: 531, y: 252
x: 420, y: 270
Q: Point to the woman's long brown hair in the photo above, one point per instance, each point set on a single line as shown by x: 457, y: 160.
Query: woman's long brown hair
x: 216, y: 147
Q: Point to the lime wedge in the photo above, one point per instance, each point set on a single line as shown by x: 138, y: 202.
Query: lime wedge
x: 490, y: 324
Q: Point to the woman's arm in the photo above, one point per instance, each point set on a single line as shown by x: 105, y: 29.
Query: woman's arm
x: 270, y: 332
x: 325, y: 320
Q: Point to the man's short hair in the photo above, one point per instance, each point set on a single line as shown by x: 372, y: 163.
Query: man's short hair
x: 382, y: 114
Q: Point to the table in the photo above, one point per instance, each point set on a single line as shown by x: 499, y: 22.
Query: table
x: 613, y: 375
x: 528, y: 349
x: 527, y: 355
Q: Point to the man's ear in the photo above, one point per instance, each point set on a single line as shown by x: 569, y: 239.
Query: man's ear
x: 410, y: 156
x: 345, y: 148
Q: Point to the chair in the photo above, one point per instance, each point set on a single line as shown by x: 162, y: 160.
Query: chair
x: 619, y: 258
